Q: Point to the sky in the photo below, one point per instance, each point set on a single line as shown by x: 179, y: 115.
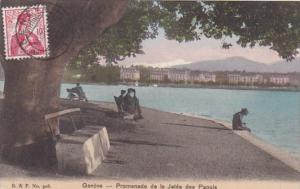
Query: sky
x: 161, y: 52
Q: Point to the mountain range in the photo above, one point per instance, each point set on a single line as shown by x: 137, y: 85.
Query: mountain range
x: 235, y: 64
x: 243, y: 64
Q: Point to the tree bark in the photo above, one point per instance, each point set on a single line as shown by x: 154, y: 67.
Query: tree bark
x: 32, y: 86
x: 31, y: 91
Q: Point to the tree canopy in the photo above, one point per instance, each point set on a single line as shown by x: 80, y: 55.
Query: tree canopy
x: 271, y: 24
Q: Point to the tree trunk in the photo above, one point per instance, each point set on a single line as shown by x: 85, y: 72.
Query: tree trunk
x: 32, y: 86
x: 31, y: 91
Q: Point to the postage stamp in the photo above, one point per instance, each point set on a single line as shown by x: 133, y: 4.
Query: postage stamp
x: 25, y: 32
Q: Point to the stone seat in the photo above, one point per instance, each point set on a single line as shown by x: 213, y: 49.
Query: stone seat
x: 82, y: 151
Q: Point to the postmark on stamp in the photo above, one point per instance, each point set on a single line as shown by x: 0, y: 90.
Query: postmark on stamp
x: 25, y: 32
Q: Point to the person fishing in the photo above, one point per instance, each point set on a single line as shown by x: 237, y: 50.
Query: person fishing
x: 237, y: 120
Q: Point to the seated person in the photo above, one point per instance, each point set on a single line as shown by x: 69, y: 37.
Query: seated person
x: 137, y: 104
x: 131, y: 104
x: 71, y: 94
x: 120, y: 101
x: 237, y: 121
x: 78, y: 91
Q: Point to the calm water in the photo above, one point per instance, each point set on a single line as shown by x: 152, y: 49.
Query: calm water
x: 273, y: 115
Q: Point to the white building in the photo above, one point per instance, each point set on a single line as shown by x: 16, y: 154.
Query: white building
x: 176, y: 75
x: 279, y: 80
x: 131, y: 74
x: 294, y: 79
x: 202, y: 77
x: 179, y: 75
x: 158, y: 74
x: 245, y: 79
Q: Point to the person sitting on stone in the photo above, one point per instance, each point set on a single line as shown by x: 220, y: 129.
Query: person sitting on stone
x: 131, y: 104
x: 237, y: 121
x: 76, y: 92
x: 72, y: 94
x: 79, y: 91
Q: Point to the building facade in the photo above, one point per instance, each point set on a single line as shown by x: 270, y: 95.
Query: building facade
x: 294, y: 80
x: 198, y: 77
x: 279, y: 80
x: 176, y: 75
x: 130, y: 74
x: 245, y: 79
x: 158, y: 74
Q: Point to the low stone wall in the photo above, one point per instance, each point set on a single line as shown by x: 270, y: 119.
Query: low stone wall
x: 83, y: 151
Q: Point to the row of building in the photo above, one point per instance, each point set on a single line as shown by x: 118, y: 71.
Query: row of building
x: 279, y: 79
x: 252, y: 79
x: 164, y: 75
x: 176, y: 75
x: 188, y: 76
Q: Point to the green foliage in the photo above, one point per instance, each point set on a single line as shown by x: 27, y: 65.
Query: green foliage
x: 272, y: 24
x: 95, y: 73
x: 124, y: 38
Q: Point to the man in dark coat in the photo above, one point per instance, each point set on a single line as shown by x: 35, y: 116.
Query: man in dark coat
x: 120, y: 101
x: 237, y: 120
x: 80, y: 92
x: 77, y: 91
x: 131, y: 104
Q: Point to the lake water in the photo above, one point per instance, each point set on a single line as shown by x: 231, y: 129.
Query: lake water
x: 273, y: 115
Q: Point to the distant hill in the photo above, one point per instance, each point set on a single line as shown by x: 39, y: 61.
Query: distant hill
x: 243, y: 64
x: 283, y: 66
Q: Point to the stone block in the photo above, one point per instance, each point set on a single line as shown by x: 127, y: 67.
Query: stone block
x: 82, y: 151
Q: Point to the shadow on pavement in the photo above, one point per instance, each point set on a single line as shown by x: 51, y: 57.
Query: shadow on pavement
x: 141, y: 142
x: 196, y: 126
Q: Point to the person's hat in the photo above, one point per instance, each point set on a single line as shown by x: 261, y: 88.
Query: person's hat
x: 244, y: 110
x: 130, y: 89
x: 123, y: 91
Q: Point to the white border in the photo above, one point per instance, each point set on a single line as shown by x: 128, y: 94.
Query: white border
x: 46, y: 54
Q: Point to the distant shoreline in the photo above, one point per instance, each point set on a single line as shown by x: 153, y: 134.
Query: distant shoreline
x: 226, y: 87
x: 292, y: 89
x: 239, y: 88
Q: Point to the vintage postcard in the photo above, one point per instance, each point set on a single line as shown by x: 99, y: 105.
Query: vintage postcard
x: 131, y: 94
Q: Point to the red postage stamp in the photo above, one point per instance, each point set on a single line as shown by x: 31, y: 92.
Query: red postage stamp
x: 25, y: 32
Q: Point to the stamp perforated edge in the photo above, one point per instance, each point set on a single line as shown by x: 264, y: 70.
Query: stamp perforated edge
x: 47, y: 51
